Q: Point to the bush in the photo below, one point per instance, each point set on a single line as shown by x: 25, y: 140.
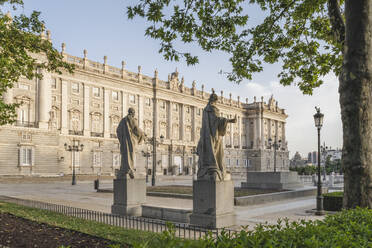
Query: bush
x: 304, y: 170
x: 349, y: 228
x: 333, y: 201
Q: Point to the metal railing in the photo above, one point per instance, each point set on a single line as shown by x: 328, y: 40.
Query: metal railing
x: 25, y: 124
x: 95, y: 134
x: 72, y: 132
x: 182, y: 230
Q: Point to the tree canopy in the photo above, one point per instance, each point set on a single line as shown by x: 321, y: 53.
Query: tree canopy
x: 305, y: 36
x: 309, y: 38
x: 20, y: 39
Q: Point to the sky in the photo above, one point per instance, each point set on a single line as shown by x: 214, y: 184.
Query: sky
x: 102, y: 28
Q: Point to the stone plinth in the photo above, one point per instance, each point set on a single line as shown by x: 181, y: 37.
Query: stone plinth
x: 273, y: 180
x: 129, y: 195
x: 213, y: 204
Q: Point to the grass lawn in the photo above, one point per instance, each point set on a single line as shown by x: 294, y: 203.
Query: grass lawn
x: 179, y: 189
x: 117, y: 234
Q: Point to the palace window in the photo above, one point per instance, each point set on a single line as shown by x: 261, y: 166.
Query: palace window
x: 162, y: 105
x: 247, y: 163
x: 97, y: 158
x: 190, y: 161
x: 115, y: 96
x: 75, y: 121
x: 188, y: 133
x: 175, y: 106
x: 132, y: 99
x: 187, y: 109
x: 236, y: 139
x: 237, y: 163
x: 26, y: 156
x: 163, y: 129
x: 96, y: 123
x: 96, y: 92
x: 198, y: 111
x: 227, y: 162
x: 116, y: 160
x: 23, y: 115
x: 75, y: 87
x: 26, y: 137
x: 54, y: 83
x: 176, y: 132
x: 114, y: 124
x: 24, y: 86
x: 148, y: 101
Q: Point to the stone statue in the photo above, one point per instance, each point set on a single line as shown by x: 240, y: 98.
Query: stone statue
x: 129, y: 135
x: 210, y: 146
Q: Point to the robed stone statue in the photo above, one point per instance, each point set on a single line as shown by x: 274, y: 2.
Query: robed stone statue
x: 210, y: 147
x: 129, y: 135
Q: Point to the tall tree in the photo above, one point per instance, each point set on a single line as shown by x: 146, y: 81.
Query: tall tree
x: 20, y: 39
x: 310, y: 38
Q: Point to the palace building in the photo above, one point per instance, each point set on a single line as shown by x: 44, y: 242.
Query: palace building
x: 87, y: 106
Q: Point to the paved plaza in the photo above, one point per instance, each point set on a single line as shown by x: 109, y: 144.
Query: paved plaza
x: 84, y: 196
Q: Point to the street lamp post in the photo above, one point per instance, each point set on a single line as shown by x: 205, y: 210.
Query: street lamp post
x: 154, y: 143
x: 75, y: 147
x: 276, y: 145
x: 318, y: 119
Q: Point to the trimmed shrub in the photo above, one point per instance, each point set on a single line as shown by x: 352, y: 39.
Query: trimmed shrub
x: 333, y: 201
x: 349, y: 228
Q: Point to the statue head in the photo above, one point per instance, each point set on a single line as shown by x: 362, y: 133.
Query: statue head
x: 213, y: 98
x: 131, y: 112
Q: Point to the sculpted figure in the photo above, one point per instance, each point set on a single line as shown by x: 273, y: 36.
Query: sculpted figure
x: 129, y: 135
x: 210, y: 146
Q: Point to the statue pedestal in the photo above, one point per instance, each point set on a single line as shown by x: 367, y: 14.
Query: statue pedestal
x: 213, y: 204
x: 129, y: 195
x: 273, y: 180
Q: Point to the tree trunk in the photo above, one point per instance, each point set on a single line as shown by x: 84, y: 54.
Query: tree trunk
x: 356, y: 104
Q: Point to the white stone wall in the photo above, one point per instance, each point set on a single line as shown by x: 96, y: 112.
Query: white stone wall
x: 88, y: 105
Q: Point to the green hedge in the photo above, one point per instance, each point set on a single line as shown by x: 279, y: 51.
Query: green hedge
x: 333, y: 201
x: 349, y: 228
x: 334, y: 194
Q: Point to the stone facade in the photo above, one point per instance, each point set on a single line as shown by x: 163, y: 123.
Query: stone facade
x: 88, y: 105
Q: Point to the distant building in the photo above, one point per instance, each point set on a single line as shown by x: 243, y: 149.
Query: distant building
x: 309, y: 158
x: 297, y: 161
x: 332, y: 154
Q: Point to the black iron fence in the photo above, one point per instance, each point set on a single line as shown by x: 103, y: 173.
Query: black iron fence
x: 73, y: 132
x: 25, y: 124
x: 182, y: 230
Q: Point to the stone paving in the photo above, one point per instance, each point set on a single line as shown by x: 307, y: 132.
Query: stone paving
x: 83, y: 195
